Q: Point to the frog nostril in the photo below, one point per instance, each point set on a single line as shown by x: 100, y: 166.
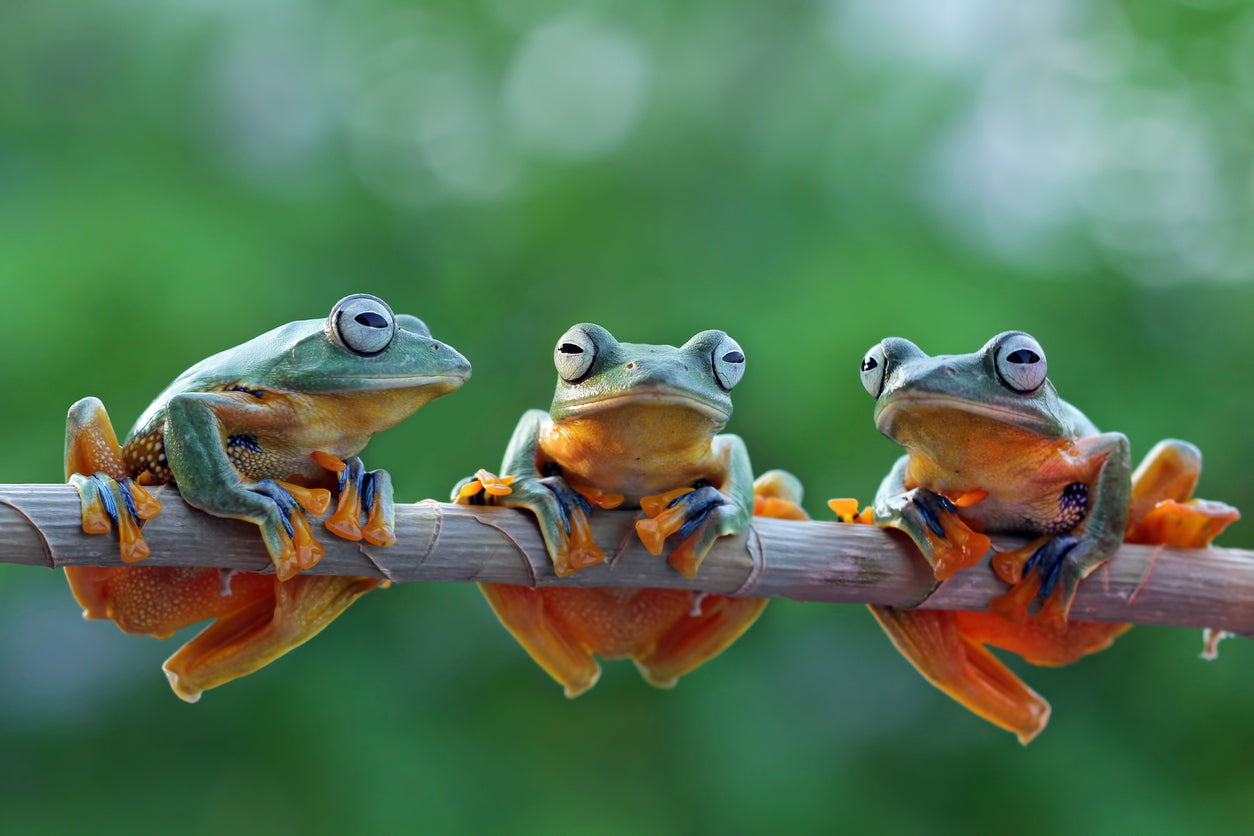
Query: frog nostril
x: 951, y: 371
x: 435, y: 346
x: 631, y: 365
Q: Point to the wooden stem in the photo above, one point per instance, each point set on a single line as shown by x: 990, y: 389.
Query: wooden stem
x: 805, y: 561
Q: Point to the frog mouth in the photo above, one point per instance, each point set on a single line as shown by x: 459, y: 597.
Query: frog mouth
x: 378, y: 384
x: 649, y: 397
x: 885, y: 417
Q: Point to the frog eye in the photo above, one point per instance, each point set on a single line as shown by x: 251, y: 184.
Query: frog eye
x: 873, y: 366
x: 362, y: 323
x: 729, y: 363
x: 1020, y: 363
x: 574, y: 355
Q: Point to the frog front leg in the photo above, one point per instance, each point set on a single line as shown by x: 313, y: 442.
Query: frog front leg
x: 539, y: 487
x: 196, y: 443
x: 931, y: 520
x: 702, y: 512
x: 1052, y: 567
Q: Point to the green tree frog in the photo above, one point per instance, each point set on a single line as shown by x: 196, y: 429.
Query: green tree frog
x: 990, y: 448
x: 637, y: 426
x: 260, y: 432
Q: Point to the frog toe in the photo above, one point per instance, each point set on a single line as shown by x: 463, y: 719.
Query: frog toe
x: 377, y: 501
x: 699, y: 514
x: 108, y: 502
x: 1045, y: 569
x: 951, y: 543
x: 346, y: 521
x: 568, y: 512
x: 286, y: 531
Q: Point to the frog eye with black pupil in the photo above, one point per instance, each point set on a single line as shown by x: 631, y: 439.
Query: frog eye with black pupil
x: 574, y: 355
x: 729, y: 363
x: 363, y: 324
x: 1020, y: 363
x: 874, y: 365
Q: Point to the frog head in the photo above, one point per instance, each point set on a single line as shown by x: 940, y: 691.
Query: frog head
x: 934, y: 402
x: 361, y: 360
x: 599, y: 377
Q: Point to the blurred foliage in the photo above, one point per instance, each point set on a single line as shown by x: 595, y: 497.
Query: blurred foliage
x: 177, y: 177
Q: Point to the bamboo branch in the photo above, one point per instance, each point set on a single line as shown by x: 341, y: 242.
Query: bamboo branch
x: 805, y: 561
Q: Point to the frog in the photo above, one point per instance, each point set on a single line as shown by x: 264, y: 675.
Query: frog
x: 634, y: 426
x: 262, y: 432
x: 992, y: 449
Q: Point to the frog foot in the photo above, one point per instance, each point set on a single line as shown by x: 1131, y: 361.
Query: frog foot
x: 362, y: 491
x: 293, y: 548
x: 778, y: 494
x: 1036, y: 570
x: 107, y: 502
x: 480, y: 488
x: 699, y: 514
x: 952, y: 543
x: 1190, y: 524
x: 581, y: 550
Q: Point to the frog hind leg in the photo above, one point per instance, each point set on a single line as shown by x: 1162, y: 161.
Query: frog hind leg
x: 260, y: 630
x: 546, y: 639
x: 95, y: 466
x: 1161, y: 511
x: 714, y: 622
x: 933, y: 641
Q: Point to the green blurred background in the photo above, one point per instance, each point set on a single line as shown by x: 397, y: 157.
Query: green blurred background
x: 176, y: 177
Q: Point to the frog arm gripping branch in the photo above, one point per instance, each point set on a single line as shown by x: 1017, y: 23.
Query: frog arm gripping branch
x: 931, y: 520
x: 701, y: 513
x: 195, y: 446
x: 561, y: 512
x: 1052, y: 567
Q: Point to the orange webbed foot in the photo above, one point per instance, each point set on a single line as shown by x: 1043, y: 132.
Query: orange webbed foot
x: 107, y: 502
x: 581, y: 549
x: 484, y: 482
x: 599, y: 498
x: 1191, y: 524
x: 664, y: 518
x: 954, y: 545
x: 362, y: 491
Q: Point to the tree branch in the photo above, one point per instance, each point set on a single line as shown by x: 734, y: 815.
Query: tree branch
x: 805, y: 561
